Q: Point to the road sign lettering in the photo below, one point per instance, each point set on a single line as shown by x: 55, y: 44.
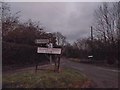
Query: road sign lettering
x: 49, y: 50
x: 42, y: 41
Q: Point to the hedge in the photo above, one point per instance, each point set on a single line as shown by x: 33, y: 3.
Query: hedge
x: 13, y: 53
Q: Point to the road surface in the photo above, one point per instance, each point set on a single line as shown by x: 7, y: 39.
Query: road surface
x: 102, y: 77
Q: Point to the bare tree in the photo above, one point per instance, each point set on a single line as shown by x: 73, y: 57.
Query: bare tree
x: 0, y: 21
x: 106, y: 28
x: 9, y: 21
x: 106, y: 18
x: 117, y: 7
x: 81, y: 44
x: 61, y: 40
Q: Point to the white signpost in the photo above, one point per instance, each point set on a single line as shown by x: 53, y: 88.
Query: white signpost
x: 42, y: 41
x: 49, y: 50
x: 91, y: 56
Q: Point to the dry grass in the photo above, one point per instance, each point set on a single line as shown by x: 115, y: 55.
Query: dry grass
x: 44, y: 78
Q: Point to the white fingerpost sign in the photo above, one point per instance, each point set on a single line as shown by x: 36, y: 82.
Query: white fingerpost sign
x: 42, y: 41
x: 91, y: 56
x: 49, y: 50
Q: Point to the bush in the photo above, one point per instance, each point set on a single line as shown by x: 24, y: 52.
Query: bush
x: 13, y: 53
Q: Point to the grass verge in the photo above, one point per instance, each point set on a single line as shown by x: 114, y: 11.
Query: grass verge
x: 44, y: 78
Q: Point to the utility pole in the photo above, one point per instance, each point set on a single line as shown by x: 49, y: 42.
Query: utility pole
x: 91, y: 33
x: 92, y: 43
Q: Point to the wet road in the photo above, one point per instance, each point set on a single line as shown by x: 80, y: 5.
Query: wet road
x: 102, y: 77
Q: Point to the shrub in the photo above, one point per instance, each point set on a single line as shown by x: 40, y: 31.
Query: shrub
x: 13, y: 53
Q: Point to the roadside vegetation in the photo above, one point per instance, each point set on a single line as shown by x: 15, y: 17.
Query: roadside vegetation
x: 45, y: 78
x: 18, y: 39
x: 102, y: 43
x: 104, y: 39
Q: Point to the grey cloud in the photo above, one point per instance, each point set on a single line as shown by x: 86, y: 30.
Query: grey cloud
x: 71, y: 19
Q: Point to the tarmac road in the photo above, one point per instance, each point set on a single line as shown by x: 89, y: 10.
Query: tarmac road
x: 101, y: 76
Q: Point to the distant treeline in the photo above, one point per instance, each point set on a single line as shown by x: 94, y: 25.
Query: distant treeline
x: 100, y: 51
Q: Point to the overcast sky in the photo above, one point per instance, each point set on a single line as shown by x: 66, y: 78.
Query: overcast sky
x: 71, y: 19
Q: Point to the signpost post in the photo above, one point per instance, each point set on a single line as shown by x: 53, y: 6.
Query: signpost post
x: 50, y: 45
x: 49, y: 50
